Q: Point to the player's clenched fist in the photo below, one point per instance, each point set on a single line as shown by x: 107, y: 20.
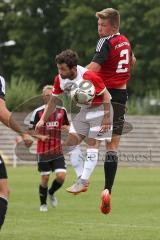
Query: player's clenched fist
x: 27, y: 139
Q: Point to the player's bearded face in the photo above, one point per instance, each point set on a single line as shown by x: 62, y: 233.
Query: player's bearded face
x: 65, y: 71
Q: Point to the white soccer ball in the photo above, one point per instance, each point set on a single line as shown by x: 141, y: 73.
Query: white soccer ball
x: 84, y: 93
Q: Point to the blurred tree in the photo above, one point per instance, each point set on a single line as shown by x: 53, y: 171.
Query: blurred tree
x: 4, y: 9
x: 80, y: 26
x: 140, y: 22
x: 42, y: 29
x: 35, y: 26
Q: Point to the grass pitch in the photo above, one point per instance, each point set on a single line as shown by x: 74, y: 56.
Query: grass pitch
x: 135, y: 208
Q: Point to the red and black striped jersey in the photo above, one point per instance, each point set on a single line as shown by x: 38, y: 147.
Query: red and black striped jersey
x: 113, y: 53
x: 52, y: 128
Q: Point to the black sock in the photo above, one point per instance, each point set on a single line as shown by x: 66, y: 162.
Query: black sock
x: 55, y: 186
x: 43, y: 194
x: 110, y: 168
x: 3, y: 210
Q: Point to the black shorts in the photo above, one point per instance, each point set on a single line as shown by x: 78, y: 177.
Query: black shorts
x: 119, y: 99
x: 3, y: 171
x: 50, y: 163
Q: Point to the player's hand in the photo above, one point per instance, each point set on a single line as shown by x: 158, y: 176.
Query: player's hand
x: 105, y: 125
x: 43, y: 138
x: 39, y: 125
x: 27, y: 139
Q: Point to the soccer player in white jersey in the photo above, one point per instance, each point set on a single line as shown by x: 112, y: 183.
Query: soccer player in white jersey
x: 92, y: 122
x: 7, y: 119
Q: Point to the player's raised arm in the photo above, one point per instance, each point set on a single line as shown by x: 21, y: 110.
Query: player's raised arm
x: 7, y: 119
x: 49, y: 108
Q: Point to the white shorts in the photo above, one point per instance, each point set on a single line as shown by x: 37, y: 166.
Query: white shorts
x: 88, y: 123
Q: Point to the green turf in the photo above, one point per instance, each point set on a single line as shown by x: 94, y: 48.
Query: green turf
x: 135, y: 208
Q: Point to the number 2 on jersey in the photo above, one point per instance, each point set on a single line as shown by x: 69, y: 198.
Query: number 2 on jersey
x: 125, y: 55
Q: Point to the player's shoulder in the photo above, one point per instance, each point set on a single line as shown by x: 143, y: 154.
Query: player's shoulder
x: 123, y: 37
x: 2, y: 81
x: 101, y: 42
x: 118, y: 38
x: 57, y: 78
x: 2, y: 85
x: 89, y: 75
x: 61, y: 108
x: 39, y: 109
x: 81, y: 70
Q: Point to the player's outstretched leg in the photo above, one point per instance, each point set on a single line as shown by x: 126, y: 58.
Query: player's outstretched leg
x: 82, y: 183
x: 106, y: 202
x: 110, y: 168
x: 77, y: 161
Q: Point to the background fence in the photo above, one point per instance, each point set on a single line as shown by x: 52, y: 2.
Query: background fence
x: 139, y: 147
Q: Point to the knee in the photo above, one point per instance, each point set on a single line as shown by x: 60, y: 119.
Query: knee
x: 92, y: 154
x: 44, y: 180
x: 113, y: 145
x: 5, y: 192
x: 61, y: 177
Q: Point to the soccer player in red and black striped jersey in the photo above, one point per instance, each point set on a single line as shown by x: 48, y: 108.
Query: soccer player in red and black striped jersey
x: 49, y: 150
x: 7, y: 119
x: 112, y: 61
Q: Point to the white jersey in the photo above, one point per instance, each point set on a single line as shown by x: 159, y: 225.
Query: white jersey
x: 66, y: 84
x: 2, y: 87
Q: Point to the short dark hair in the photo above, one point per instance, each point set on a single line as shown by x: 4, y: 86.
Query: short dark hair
x: 111, y: 14
x: 67, y: 56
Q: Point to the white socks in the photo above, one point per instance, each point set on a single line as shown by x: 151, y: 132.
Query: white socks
x: 76, y: 158
x: 90, y: 163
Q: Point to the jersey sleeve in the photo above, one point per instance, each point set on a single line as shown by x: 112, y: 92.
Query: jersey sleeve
x: 65, y: 120
x: 102, y: 51
x: 2, y: 87
x: 56, y: 87
x: 34, y: 120
x: 96, y: 80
